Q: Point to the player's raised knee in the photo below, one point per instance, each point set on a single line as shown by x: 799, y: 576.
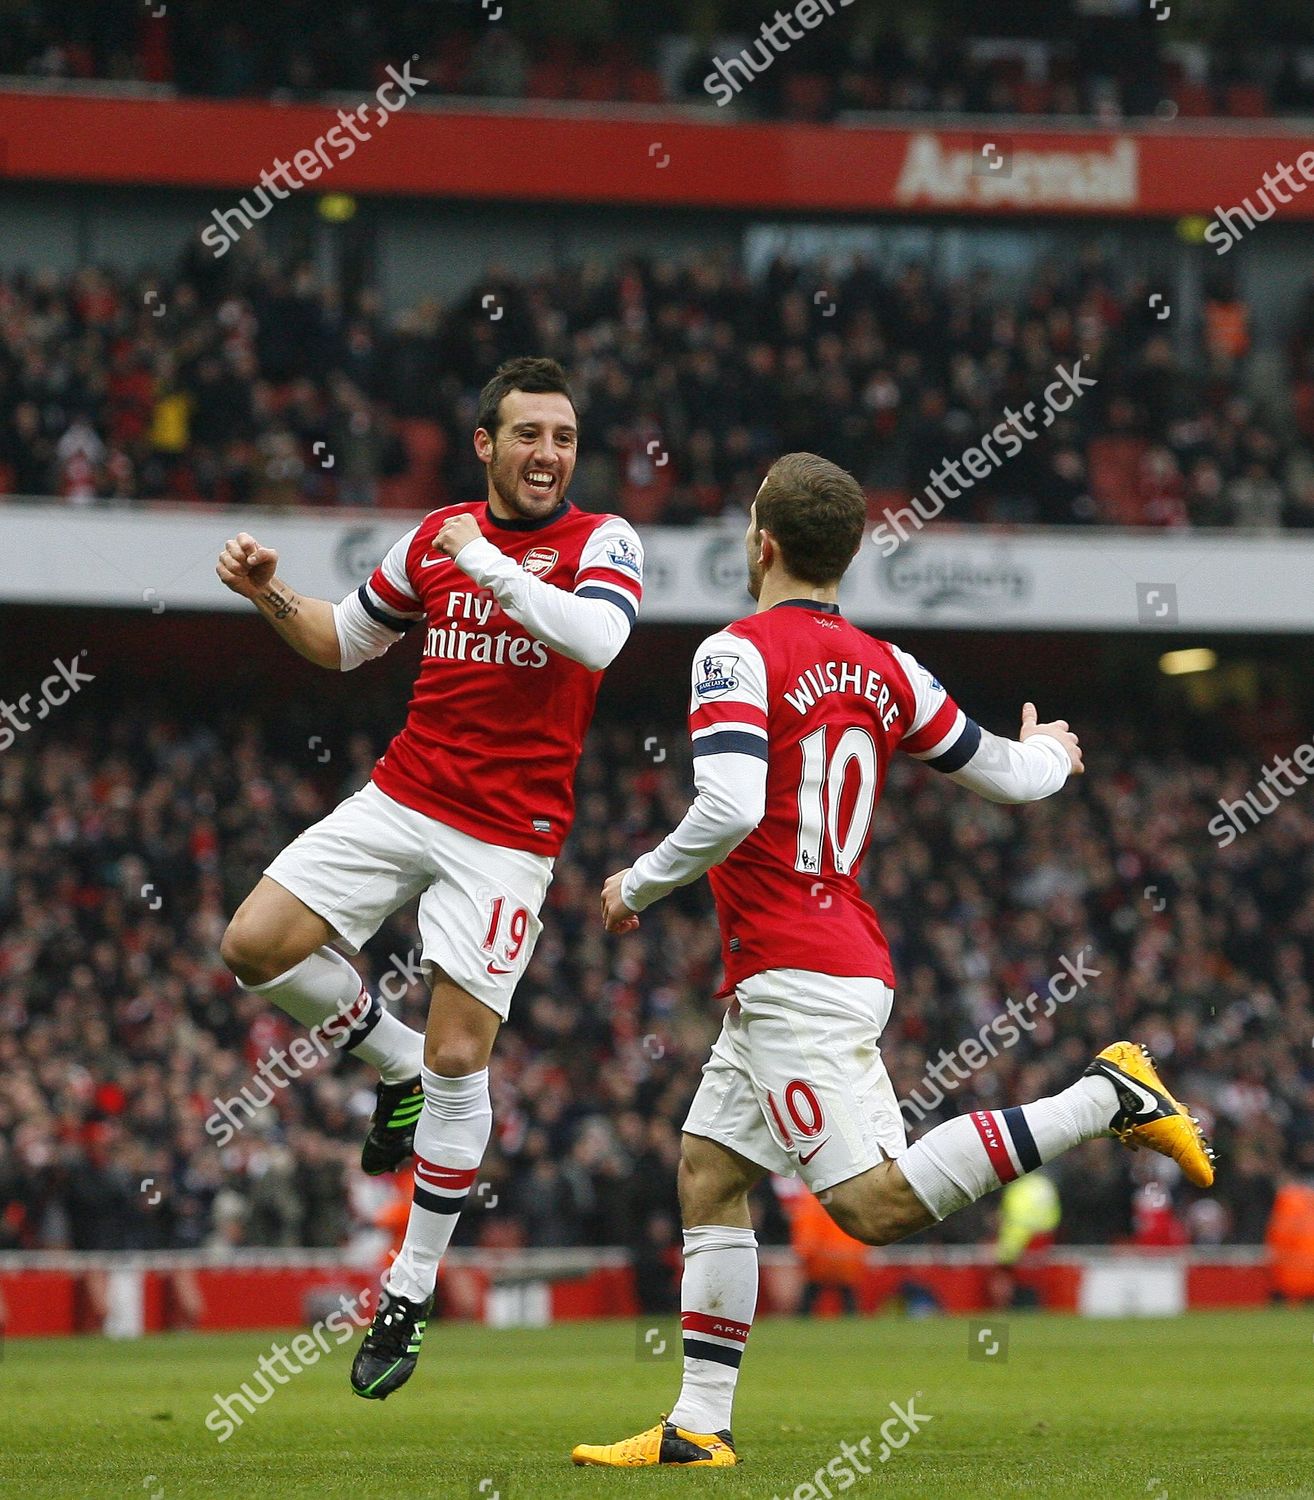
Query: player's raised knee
x: 258, y: 945
x: 244, y: 953
x: 270, y: 933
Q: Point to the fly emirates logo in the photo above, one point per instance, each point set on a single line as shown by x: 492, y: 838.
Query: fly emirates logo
x: 815, y: 682
x: 465, y: 639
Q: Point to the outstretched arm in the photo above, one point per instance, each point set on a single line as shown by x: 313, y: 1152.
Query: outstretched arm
x: 1033, y: 766
x: 336, y: 636
x: 589, y: 625
x: 305, y: 624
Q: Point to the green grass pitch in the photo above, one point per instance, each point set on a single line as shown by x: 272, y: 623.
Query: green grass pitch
x: 1211, y: 1405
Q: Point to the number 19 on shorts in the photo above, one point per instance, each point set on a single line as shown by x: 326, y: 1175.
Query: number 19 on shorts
x: 511, y: 935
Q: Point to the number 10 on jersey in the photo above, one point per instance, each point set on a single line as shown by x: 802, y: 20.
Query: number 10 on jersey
x: 819, y: 794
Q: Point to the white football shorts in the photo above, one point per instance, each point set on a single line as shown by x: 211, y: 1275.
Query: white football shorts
x: 479, y: 903
x: 796, y: 1081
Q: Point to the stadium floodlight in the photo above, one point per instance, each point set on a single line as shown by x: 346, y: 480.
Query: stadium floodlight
x: 1193, y: 659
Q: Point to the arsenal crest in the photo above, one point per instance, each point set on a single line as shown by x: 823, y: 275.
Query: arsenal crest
x: 539, y: 560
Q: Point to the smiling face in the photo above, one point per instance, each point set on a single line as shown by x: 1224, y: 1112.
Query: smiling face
x: 531, y: 457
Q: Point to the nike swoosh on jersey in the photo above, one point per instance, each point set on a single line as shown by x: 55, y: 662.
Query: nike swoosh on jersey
x: 804, y: 1160
x: 493, y: 969
x: 432, y: 562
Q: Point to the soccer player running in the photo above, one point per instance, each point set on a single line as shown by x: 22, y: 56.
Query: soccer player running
x: 525, y: 600
x: 795, y: 715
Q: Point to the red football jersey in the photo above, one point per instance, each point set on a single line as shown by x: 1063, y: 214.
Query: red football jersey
x: 834, y: 703
x: 497, y: 718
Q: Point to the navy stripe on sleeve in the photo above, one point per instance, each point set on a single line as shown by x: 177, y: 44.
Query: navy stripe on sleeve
x: 393, y: 622
x: 735, y: 741
x: 961, y: 751
x: 612, y: 596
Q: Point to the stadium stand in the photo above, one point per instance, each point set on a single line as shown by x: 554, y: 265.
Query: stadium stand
x: 256, y: 264
x: 121, y: 1032
x: 1029, y: 62
x: 692, y: 378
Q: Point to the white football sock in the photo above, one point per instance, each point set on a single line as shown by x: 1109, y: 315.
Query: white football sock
x: 964, y: 1159
x: 720, y: 1272
x: 449, y: 1145
x: 325, y: 993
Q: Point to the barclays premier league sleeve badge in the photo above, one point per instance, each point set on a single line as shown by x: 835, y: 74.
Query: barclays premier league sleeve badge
x: 716, y: 675
x: 622, y: 555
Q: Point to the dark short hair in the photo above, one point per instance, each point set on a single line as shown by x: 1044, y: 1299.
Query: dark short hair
x: 528, y: 373
x: 816, y: 511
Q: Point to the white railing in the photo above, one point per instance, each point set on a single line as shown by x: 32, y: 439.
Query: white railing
x: 557, y: 1264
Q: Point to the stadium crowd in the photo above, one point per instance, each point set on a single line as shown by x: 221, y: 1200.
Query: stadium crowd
x: 1106, y: 60
x: 125, y: 1046
x: 247, y: 381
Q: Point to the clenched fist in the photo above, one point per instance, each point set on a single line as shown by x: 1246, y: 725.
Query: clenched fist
x: 455, y: 532
x: 245, y: 566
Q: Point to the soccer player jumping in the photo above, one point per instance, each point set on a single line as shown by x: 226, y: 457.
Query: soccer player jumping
x: 795, y: 714
x: 524, y: 600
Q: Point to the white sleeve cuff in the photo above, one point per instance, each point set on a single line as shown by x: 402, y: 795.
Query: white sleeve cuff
x: 360, y: 636
x: 1004, y: 770
x: 631, y: 886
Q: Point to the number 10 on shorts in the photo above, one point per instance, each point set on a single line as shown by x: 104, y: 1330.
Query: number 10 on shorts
x: 801, y: 1117
x: 512, y: 937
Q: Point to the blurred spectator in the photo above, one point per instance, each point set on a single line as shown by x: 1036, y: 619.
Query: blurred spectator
x: 831, y: 1260
x: 1290, y: 1238
x: 1029, y: 1216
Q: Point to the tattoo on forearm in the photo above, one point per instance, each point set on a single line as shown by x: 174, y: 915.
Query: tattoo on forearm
x: 283, y: 606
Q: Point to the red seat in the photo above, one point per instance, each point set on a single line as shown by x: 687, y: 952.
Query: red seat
x: 1246, y: 101
x: 1194, y: 100
x: 645, y: 86
x: 1114, y: 464
x: 807, y: 96
x: 1033, y: 98
x: 599, y: 84
x: 420, y: 486
x: 549, y: 80
x: 1302, y: 407
x: 871, y: 93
